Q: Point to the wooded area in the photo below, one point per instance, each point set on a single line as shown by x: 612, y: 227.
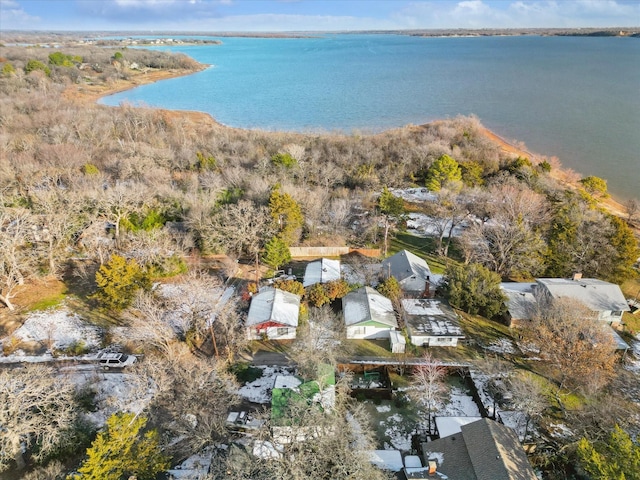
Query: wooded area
x: 115, y: 198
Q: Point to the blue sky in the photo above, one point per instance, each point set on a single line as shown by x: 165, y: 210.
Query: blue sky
x: 299, y: 15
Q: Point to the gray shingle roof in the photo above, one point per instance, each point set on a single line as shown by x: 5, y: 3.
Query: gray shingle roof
x: 404, y: 264
x: 273, y: 305
x: 521, y: 301
x: 430, y: 317
x: 597, y: 295
x: 365, y: 305
x: 484, y: 450
x: 321, y: 271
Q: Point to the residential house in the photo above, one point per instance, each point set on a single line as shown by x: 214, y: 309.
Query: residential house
x: 368, y: 314
x: 411, y: 272
x: 604, y: 299
x: 431, y: 322
x: 273, y: 314
x: 321, y: 271
x: 483, y: 450
x: 521, y: 301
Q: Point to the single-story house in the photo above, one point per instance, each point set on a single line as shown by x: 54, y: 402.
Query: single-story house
x: 411, y: 272
x: 431, y: 322
x: 368, y: 314
x: 321, y: 271
x: 604, y: 299
x: 483, y: 449
x: 521, y: 301
x: 273, y: 314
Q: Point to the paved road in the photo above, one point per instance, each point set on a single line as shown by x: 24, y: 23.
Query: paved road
x: 271, y: 358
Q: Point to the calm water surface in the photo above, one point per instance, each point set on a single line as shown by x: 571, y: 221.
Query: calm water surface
x: 576, y: 98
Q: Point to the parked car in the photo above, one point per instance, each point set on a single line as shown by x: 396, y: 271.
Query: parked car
x: 115, y: 360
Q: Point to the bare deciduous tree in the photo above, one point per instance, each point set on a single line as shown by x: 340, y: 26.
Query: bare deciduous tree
x: 319, y: 341
x: 632, y: 207
x: 574, y: 343
x: 37, y: 407
x: 18, y: 258
x: 427, y: 385
x: 329, y: 444
x: 528, y: 397
x: 192, y: 398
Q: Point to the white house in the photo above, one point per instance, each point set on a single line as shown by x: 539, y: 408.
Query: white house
x: 411, y: 272
x: 368, y: 314
x: 321, y: 271
x: 273, y: 314
x: 431, y: 323
x: 604, y: 299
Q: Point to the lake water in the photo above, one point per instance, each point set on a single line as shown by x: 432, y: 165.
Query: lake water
x: 577, y: 98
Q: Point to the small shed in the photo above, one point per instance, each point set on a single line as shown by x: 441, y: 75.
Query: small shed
x: 398, y: 342
x: 321, y: 271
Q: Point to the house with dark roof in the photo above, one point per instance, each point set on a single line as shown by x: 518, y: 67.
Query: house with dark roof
x: 431, y: 322
x: 482, y: 450
x: 324, y: 270
x: 368, y: 314
x: 411, y: 272
x: 604, y: 299
x: 273, y: 314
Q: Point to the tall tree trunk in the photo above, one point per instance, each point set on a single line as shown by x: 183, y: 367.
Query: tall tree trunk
x: 387, y: 226
x: 17, y: 453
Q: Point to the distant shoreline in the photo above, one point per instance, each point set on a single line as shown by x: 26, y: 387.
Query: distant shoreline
x: 54, y: 38
x: 84, y: 94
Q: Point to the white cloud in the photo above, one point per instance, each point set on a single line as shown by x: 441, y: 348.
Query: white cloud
x: 517, y: 14
x: 288, y: 22
x: 14, y: 17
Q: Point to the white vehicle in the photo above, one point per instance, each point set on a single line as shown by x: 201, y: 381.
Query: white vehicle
x: 115, y: 360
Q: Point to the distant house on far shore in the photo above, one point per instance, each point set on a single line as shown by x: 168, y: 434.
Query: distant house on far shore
x: 273, y: 314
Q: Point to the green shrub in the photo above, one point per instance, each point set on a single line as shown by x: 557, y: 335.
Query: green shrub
x: 167, y: 267
x: 75, y: 348
x: 59, y: 59
x: 118, y: 281
x: 36, y: 65
x: 284, y: 160
x: 90, y: 169
x: 8, y: 69
x: 205, y: 162
x: 544, y: 166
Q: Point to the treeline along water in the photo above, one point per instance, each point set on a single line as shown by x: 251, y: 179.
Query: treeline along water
x: 577, y: 98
